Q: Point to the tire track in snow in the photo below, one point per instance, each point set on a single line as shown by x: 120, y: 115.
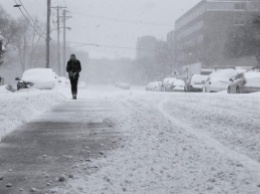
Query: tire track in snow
x: 249, y: 163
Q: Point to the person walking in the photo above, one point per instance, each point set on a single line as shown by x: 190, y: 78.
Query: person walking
x: 73, y: 69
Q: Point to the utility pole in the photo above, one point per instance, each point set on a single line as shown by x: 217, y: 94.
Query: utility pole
x: 48, y: 34
x: 58, y: 39
x: 65, y: 17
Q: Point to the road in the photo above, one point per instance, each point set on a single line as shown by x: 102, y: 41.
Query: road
x: 141, y: 143
x: 180, y: 143
x: 54, y: 143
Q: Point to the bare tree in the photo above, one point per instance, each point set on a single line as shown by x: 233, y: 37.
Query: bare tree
x: 8, y: 27
x: 27, y: 42
x: 245, y: 40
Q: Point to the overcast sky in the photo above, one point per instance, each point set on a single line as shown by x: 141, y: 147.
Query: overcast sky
x: 105, y: 32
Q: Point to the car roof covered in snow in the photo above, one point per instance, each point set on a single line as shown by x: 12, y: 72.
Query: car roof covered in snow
x: 224, y: 73
x: 197, y: 78
x: 38, y: 74
x: 169, y: 80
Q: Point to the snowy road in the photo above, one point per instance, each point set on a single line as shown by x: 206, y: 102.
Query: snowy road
x: 169, y: 143
x: 180, y: 143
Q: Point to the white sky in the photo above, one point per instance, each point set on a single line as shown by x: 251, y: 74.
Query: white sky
x: 93, y: 30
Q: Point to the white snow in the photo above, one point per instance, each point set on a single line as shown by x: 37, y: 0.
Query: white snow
x: 154, y: 86
x: 198, y: 79
x: 18, y: 108
x: 41, y: 78
x: 252, y: 79
x: 178, y: 143
x: 169, y: 81
x: 3, y: 89
x: 223, y: 74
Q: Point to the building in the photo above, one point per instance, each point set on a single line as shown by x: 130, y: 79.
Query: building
x: 152, y: 58
x: 146, y: 47
x: 201, y: 33
x: 171, y: 43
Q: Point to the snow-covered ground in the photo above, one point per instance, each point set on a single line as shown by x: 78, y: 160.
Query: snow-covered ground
x: 19, y: 107
x: 177, y: 143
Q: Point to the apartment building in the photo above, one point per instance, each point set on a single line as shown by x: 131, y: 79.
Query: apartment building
x: 201, y: 33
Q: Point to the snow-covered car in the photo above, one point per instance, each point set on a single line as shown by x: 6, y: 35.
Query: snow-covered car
x: 245, y: 83
x: 178, y: 85
x: 63, y: 80
x: 154, y: 86
x: 196, y: 83
x: 39, y: 78
x: 168, y: 84
x: 219, y: 80
x: 123, y: 85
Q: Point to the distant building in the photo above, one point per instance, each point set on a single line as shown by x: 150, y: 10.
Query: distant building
x: 171, y: 43
x: 146, y: 47
x: 202, y: 32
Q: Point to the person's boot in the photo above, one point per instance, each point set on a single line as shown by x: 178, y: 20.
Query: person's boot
x: 74, y: 96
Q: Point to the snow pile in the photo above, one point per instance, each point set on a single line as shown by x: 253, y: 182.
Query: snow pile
x: 3, y: 89
x: 17, y: 108
x: 232, y: 120
x: 162, y: 152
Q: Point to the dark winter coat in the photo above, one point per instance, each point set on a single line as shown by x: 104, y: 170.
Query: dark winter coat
x: 73, y: 69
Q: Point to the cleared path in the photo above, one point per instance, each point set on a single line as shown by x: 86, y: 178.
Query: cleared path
x: 38, y: 153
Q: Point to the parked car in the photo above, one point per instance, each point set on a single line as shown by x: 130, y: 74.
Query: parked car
x: 178, y: 85
x: 245, y: 83
x: 63, y: 80
x: 196, y: 83
x: 123, y: 85
x: 219, y: 80
x: 167, y: 84
x: 154, y: 86
x: 40, y: 78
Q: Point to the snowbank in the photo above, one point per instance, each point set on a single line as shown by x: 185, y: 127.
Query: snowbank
x: 3, y: 89
x: 17, y: 108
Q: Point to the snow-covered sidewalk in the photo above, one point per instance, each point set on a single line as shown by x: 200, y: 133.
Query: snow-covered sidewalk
x: 19, y: 107
x: 180, y: 144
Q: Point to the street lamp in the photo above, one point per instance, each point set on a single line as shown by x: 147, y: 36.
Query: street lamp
x: 67, y: 28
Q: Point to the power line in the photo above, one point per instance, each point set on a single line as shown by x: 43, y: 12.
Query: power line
x: 34, y: 22
x: 100, y: 45
x: 36, y: 30
x: 78, y: 44
x: 123, y: 20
